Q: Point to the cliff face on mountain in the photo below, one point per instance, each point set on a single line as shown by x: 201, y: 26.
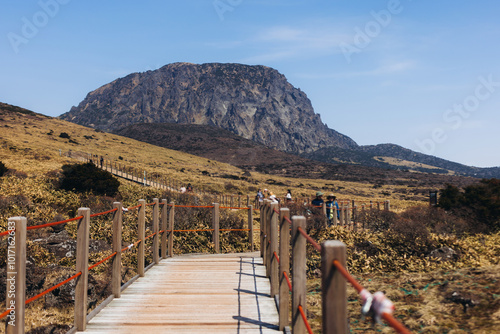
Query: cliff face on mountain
x: 255, y: 102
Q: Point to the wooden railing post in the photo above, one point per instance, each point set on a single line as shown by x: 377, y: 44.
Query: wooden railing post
x: 141, y: 235
x: 116, y: 277
x: 215, y: 226
x: 299, y: 274
x: 267, y: 211
x: 16, y: 275
x: 262, y: 233
x: 284, y: 268
x: 273, y: 233
x: 250, y: 227
x: 164, y: 227
x: 82, y: 264
x: 171, y: 217
x: 156, y: 231
x: 334, y: 295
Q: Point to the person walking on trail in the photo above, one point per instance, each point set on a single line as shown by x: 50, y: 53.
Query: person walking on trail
x: 288, y: 196
x: 331, y: 203
x: 102, y: 161
x: 189, y: 188
x: 318, y: 201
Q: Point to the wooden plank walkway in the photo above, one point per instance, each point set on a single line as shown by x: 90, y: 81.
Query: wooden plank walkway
x: 226, y: 293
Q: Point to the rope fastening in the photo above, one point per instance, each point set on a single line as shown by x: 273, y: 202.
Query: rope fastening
x: 375, y: 305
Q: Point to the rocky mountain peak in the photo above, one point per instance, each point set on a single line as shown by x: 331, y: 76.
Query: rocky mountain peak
x: 255, y: 102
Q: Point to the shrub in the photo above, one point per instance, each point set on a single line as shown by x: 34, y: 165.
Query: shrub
x: 64, y: 135
x: 377, y: 220
x: 479, y: 203
x: 87, y: 177
x: 3, y: 169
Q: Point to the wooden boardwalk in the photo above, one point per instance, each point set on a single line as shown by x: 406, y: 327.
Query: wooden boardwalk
x: 226, y: 293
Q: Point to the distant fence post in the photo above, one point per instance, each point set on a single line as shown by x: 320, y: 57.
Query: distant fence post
x: 388, y: 205
x: 335, y: 213
x: 299, y: 274
x: 141, y: 235
x: 341, y: 214
x: 348, y: 215
x: 171, y: 217
x: 273, y: 229
x: 164, y: 227
x: 334, y: 289
x: 250, y: 227
x: 354, y: 217
x: 215, y: 226
x: 16, y: 275
x: 323, y: 210
x: 116, y: 276
x: 284, y: 268
x: 156, y: 230
x: 82, y: 264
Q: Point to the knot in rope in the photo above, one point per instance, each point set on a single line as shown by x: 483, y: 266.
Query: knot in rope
x: 375, y: 305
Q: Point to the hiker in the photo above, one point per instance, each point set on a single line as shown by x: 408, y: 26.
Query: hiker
x: 102, y: 161
x: 331, y: 202
x: 288, y: 196
x: 318, y: 201
x: 189, y: 188
x: 273, y: 197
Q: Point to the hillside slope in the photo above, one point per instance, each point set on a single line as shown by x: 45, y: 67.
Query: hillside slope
x: 220, y: 145
x: 400, y: 158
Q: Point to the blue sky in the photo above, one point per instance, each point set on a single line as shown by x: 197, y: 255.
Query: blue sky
x: 419, y: 73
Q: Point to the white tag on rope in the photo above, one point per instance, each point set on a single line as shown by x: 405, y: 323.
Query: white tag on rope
x: 381, y: 304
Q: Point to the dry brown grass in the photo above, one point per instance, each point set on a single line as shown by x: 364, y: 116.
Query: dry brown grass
x: 32, y: 144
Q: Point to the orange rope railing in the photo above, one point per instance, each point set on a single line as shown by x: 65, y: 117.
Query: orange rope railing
x: 311, y: 240
x: 276, y: 257
x: 103, y: 213
x: 102, y: 261
x: 288, y: 280
x: 304, y: 318
x: 34, y: 227
x: 52, y: 288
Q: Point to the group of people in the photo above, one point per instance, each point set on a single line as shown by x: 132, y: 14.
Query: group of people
x: 188, y: 189
x: 331, y: 202
x: 269, y: 194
